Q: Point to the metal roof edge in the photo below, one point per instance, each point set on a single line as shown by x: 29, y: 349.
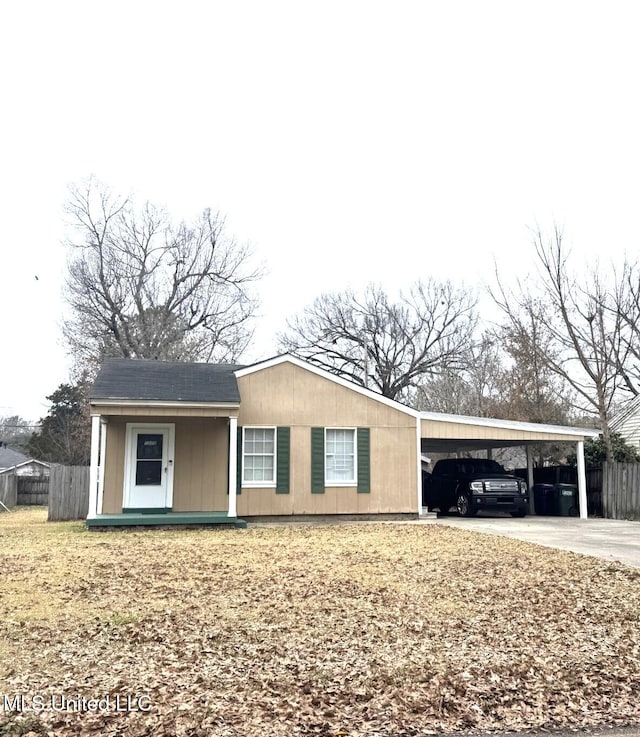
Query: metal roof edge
x: 510, y: 424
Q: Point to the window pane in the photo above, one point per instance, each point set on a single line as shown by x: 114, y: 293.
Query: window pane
x: 258, y: 452
x: 149, y: 446
x: 148, y: 473
x: 340, y: 456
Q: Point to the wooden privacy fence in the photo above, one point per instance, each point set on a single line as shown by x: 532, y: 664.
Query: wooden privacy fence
x: 8, y: 490
x: 68, y: 493
x: 33, y: 490
x: 621, y: 490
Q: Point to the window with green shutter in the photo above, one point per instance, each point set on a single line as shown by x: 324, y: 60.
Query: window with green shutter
x: 340, y: 457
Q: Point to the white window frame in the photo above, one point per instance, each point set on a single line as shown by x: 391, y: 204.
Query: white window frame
x: 350, y: 482
x: 260, y: 484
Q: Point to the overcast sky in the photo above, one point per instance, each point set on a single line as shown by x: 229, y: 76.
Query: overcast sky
x: 347, y: 141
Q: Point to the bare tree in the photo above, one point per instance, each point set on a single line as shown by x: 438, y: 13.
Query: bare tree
x: 626, y: 304
x: 384, y: 344
x: 575, y: 320
x: 141, y: 286
x: 472, y: 387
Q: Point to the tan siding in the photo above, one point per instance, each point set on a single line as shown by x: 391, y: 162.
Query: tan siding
x: 455, y: 430
x: 264, y: 502
x: 289, y: 395
x: 114, y: 468
x: 200, y: 473
x: 292, y: 396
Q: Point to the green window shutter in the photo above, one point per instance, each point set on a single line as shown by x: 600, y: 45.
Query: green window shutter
x: 317, y: 460
x: 364, y: 460
x: 283, y: 447
x: 239, y: 463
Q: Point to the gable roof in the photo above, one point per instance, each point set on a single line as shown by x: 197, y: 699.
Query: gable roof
x: 289, y: 358
x: 10, y: 457
x: 25, y: 463
x: 132, y: 379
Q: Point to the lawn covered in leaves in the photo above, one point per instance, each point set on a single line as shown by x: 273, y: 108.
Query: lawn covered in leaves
x: 360, y: 629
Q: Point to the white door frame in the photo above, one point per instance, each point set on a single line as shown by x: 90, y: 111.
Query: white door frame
x: 130, y: 450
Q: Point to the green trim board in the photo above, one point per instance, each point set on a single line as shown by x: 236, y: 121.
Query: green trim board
x: 132, y: 519
x: 146, y: 510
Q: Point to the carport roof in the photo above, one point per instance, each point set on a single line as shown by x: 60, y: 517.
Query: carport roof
x: 445, y: 433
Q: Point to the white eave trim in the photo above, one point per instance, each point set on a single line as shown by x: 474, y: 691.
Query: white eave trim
x: 24, y: 463
x: 510, y: 424
x: 160, y: 403
x: 288, y: 358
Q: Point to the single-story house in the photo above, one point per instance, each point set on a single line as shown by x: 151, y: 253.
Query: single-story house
x: 181, y: 443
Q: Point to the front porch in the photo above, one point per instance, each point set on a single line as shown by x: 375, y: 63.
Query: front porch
x: 162, y: 465
x: 166, y: 519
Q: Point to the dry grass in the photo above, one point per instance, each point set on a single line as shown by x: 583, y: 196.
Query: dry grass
x: 353, y: 630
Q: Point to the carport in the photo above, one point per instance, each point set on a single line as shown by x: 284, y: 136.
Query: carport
x: 444, y: 433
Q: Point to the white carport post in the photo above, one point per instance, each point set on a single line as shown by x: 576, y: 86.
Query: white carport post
x: 582, y: 480
x: 233, y: 466
x: 419, y: 462
x: 532, y: 502
x: 93, y: 468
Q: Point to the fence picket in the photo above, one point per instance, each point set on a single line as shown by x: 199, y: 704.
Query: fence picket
x: 621, y: 490
x: 68, y: 493
x: 8, y: 490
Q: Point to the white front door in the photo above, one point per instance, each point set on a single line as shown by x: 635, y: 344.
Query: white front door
x: 148, y: 476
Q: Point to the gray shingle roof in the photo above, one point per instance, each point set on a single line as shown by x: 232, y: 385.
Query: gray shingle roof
x: 137, y: 379
x: 10, y: 457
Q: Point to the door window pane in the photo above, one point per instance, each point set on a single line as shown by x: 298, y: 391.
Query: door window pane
x: 149, y: 459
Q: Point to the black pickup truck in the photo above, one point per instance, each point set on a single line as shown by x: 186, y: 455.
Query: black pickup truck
x: 472, y: 484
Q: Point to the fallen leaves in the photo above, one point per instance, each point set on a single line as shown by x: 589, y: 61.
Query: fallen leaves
x: 329, y: 630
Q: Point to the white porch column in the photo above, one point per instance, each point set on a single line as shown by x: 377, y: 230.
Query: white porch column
x: 101, y: 459
x: 233, y: 465
x: 93, y: 469
x: 582, y: 480
x: 419, y: 464
x: 532, y: 502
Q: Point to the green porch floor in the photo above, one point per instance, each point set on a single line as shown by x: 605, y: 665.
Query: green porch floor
x: 133, y: 519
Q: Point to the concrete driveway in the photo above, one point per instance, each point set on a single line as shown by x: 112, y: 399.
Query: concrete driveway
x: 604, y: 538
